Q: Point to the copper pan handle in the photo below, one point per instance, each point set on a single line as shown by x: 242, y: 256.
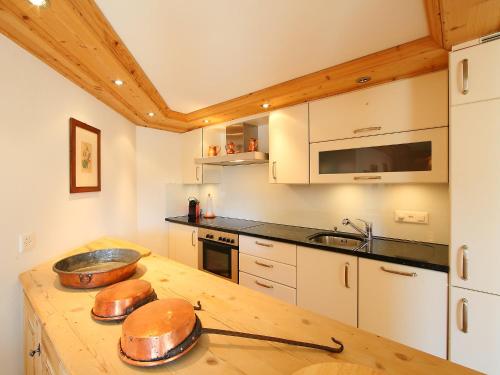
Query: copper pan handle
x: 85, y: 278
x: 224, y: 332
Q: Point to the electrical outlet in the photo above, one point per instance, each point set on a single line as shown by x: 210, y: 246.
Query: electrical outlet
x: 413, y: 217
x: 26, y: 242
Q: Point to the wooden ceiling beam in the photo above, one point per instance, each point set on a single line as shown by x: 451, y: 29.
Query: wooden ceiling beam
x: 407, y: 60
x: 464, y: 20
x: 75, y: 39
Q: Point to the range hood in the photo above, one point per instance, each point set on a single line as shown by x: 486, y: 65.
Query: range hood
x: 239, y: 136
x: 241, y: 158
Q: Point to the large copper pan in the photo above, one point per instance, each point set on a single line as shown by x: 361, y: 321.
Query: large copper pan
x: 167, y: 329
x: 97, y: 268
x: 117, y: 301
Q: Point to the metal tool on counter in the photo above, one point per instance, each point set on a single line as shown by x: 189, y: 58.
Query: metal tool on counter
x: 97, y: 268
x: 165, y: 330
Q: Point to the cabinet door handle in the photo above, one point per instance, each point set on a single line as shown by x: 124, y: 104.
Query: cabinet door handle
x: 264, y: 264
x: 346, y: 275
x: 197, y: 177
x: 192, y: 238
x: 368, y: 129
x: 465, y: 76
x: 264, y: 285
x: 465, y: 315
x: 274, y: 170
x: 402, y: 273
x: 264, y: 244
x: 465, y: 262
x: 32, y: 353
x: 356, y: 178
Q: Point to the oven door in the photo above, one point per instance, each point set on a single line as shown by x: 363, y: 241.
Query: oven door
x: 218, y: 259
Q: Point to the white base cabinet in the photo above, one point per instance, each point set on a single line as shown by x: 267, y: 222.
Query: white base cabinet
x: 327, y: 283
x: 271, y: 288
x: 183, y: 244
x: 475, y: 330
x: 404, y: 304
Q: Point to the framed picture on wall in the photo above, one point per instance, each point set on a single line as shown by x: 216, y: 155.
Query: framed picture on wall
x: 84, y: 157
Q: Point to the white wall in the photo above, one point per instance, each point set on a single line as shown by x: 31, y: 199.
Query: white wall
x: 159, y: 193
x: 245, y: 193
x: 35, y: 106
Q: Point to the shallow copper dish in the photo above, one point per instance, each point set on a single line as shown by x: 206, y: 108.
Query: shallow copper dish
x: 97, y: 268
x: 117, y: 301
x: 165, y: 330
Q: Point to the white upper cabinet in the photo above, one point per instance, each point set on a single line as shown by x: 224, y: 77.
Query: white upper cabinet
x: 419, y: 156
x: 289, y: 145
x: 192, y: 148
x: 405, y: 304
x: 475, y: 73
x: 407, y: 104
x: 474, y: 188
x: 327, y: 283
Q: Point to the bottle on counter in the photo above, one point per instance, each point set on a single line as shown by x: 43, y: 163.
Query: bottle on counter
x: 209, y: 210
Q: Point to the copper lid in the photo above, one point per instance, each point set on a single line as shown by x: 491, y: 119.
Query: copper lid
x: 118, y: 300
x: 151, y: 331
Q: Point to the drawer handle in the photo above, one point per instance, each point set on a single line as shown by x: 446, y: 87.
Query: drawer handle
x: 264, y: 244
x: 263, y: 264
x: 368, y: 129
x: 32, y: 353
x: 465, y: 315
x: 465, y: 262
x: 192, y: 238
x: 264, y: 285
x: 410, y: 274
x: 346, y: 275
x: 465, y: 76
x: 356, y: 178
x: 274, y: 170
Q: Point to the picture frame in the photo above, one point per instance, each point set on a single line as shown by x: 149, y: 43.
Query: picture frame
x: 84, y: 157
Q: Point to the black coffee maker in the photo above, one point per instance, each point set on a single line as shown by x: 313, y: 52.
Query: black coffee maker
x: 194, y: 209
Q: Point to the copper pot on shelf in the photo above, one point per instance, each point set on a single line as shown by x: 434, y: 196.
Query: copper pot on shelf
x: 167, y: 329
x: 230, y: 148
x: 252, y: 144
x: 213, y: 150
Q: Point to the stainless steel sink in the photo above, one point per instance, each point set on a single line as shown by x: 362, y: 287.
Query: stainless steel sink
x: 337, y: 240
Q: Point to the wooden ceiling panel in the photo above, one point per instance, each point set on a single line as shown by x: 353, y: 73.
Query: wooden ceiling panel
x: 464, y: 20
x: 75, y: 39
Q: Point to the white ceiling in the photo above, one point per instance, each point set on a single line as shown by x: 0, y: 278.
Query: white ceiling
x: 202, y: 52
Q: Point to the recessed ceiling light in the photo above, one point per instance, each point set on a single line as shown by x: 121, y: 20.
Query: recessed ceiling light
x: 363, y: 79
x: 265, y: 105
x: 206, y: 121
x: 39, y: 3
x: 118, y: 82
x: 151, y: 114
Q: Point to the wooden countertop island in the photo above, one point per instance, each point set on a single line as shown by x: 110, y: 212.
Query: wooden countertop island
x: 85, y: 347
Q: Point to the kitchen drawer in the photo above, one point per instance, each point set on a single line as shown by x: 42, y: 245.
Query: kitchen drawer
x: 269, y: 269
x: 276, y: 290
x: 267, y: 249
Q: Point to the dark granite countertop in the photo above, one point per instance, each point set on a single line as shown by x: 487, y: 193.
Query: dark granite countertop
x: 411, y: 253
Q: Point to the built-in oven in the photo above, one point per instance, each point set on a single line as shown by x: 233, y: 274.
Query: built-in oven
x: 218, y: 253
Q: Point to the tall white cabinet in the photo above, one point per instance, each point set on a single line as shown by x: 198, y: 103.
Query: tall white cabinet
x: 192, y: 148
x: 475, y: 207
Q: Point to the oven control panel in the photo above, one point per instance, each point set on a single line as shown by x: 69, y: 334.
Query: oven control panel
x: 218, y: 236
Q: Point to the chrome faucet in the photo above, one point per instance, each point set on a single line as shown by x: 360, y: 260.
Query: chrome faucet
x: 367, y: 233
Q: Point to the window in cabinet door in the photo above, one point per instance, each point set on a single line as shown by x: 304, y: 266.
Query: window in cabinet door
x: 406, y: 157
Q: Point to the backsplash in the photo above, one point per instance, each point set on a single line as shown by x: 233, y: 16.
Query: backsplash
x: 245, y: 193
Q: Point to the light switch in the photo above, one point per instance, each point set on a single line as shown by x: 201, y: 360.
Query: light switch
x: 414, y: 217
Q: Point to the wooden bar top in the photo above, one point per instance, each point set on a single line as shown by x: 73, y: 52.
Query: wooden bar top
x: 87, y: 347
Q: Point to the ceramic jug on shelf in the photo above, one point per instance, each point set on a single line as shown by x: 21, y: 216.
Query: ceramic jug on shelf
x: 230, y: 148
